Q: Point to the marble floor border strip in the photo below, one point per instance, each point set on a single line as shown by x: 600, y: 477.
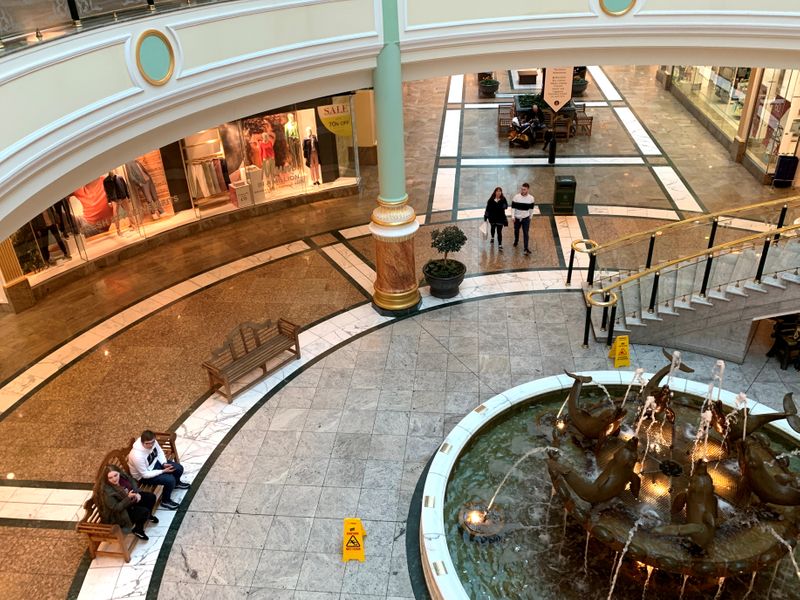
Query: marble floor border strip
x: 602, y: 81
x: 455, y: 94
x: 679, y: 193
x: 42, y: 370
x: 208, y: 429
x: 450, y: 133
x: 560, y: 161
x: 636, y: 130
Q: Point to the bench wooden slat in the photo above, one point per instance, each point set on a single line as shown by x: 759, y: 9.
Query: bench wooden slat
x: 251, y: 346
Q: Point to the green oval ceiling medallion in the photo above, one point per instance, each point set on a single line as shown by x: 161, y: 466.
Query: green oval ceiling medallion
x: 154, y: 57
x: 616, y: 8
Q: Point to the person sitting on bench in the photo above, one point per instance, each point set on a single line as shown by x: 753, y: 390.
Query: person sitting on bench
x: 122, y: 502
x: 148, y: 464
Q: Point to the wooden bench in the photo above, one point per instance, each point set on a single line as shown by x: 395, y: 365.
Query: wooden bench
x: 250, y: 346
x: 92, y: 525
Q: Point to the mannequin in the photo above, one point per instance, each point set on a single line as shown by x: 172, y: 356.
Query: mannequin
x: 44, y: 224
x: 145, y: 186
x: 292, y: 132
x: 311, y: 154
x: 117, y: 193
x: 267, y: 151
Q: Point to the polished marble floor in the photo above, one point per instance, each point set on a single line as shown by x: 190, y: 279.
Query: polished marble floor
x: 351, y: 433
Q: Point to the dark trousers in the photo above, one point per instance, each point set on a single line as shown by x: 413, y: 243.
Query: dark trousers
x: 168, y: 480
x: 141, y: 511
x: 526, y: 225
x: 43, y: 240
x: 497, y: 228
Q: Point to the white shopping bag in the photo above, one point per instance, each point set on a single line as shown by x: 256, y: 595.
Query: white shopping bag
x: 484, y: 229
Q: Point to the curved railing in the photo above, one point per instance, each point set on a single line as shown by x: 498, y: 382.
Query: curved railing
x: 25, y: 24
x: 670, y: 241
x: 748, y: 261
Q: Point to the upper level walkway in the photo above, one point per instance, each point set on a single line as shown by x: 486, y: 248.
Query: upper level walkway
x: 142, y: 367
x: 84, y: 103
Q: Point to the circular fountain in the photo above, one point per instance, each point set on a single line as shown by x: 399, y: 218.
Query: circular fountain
x: 624, y: 483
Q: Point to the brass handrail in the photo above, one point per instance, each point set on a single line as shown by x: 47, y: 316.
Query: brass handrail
x: 710, y: 251
x: 693, y: 221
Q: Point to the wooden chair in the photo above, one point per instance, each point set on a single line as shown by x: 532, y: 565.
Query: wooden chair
x: 583, y: 124
x: 504, y: 116
x: 562, y: 127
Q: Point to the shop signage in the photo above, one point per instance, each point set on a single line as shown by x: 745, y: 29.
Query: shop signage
x: 620, y: 352
x: 336, y: 119
x: 557, y: 87
x: 353, y: 540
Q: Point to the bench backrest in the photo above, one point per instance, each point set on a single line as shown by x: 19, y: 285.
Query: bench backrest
x: 243, y: 339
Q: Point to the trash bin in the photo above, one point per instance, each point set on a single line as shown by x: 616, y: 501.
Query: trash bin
x: 564, y: 199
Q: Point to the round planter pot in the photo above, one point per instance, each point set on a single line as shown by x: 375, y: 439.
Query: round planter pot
x: 445, y: 287
x: 579, y: 86
x: 487, y: 90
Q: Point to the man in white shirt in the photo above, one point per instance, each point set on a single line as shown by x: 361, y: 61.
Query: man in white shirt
x: 148, y: 464
x: 522, y: 204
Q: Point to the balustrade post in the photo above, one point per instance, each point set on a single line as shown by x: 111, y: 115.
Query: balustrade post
x: 571, y: 263
x: 650, y: 249
x: 73, y: 13
x: 762, y: 263
x: 781, y: 221
x: 654, y: 293
x: 706, y: 275
x: 606, y: 296
x: 592, y: 263
x: 713, y: 233
x: 586, y: 326
x: 610, y: 337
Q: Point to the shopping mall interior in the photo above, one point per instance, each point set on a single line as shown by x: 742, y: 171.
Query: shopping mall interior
x: 141, y: 229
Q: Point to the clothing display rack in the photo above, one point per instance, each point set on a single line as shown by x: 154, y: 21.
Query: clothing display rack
x: 206, y: 174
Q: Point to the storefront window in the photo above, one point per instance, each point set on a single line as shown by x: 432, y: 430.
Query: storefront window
x: 772, y: 111
x: 265, y: 157
x: 718, y: 92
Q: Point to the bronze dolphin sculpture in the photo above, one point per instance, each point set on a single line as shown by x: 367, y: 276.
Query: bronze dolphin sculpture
x: 611, y: 482
x: 654, y: 383
x: 701, y: 509
x: 733, y: 429
x: 770, y: 486
x: 597, y: 424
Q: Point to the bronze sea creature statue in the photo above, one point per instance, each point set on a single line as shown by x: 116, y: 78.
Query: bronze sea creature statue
x: 611, y: 482
x: 732, y: 427
x: 766, y: 477
x: 654, y: 383
x: 594, y: 424
x: 701, y: 509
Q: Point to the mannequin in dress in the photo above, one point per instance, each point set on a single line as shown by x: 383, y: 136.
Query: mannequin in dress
x: 266, y: 149
x: 292, y: 132
x: 311, y: 154
x: 116, y: 189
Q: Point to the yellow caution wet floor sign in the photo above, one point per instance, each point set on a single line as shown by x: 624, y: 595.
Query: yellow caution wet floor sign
x: 353, y: 541
x: 620, y: 352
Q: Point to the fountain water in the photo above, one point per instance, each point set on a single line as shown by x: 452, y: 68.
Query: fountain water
x: 683, y: 586
x: 514, y: 466
x: 774, y: 575
x: 789, y: 547
x: 605, y: 391
x: 719, y: 588
x: 674, y: 366
x: 637, y: 376
x: 627, y: 545
x: 752, y: 583
x: 647, y: 581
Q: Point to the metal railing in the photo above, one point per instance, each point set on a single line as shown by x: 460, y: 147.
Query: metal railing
x: 651, y: 279
x: 26, y: 23
x: 641, y: 250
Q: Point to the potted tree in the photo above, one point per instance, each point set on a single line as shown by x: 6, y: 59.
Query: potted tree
x: 578, y: 86
x: 487, y: 88
x: 444, y: 275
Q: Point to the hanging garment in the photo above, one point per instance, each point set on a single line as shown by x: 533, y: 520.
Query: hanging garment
x: 218, y: 173
x: 144, y: 184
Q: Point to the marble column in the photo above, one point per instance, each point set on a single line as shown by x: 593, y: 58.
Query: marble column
x: 393, y: 222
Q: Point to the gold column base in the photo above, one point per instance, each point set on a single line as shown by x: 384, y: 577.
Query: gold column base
x: 396, y: 301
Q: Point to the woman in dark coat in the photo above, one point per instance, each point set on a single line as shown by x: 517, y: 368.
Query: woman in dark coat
x: 122, y: 502
x: 496, y: 215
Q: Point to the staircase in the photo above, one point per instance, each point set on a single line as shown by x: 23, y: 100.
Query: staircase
x: 706, y: 301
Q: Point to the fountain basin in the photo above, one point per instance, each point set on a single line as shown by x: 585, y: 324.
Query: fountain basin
x: 440, y: 541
